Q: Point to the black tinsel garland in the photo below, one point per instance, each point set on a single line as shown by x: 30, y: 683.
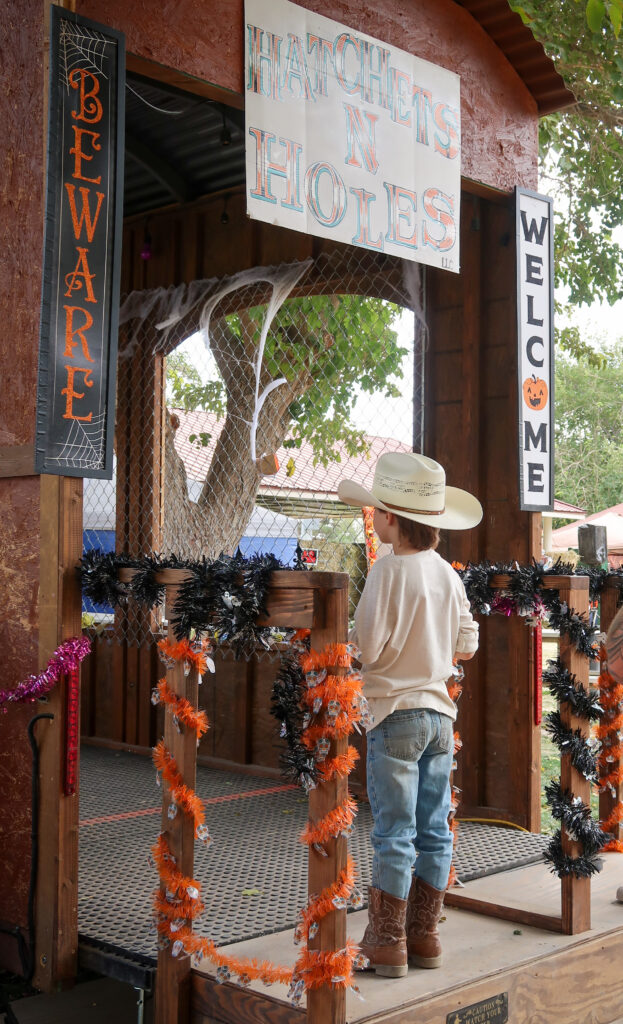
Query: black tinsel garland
x: 222, y: 597
x: 297, y: 762
x: 476, y: 581
x: 525, y: 584
x: 572, y: 742
x: 98, y: 575
x: 570, y: 623
x: 576, y: 819
x: 565, y: 687
x: 563, y: 864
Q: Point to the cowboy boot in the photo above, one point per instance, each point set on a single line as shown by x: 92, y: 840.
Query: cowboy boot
x: 384, y: 942
x: 423, y: 912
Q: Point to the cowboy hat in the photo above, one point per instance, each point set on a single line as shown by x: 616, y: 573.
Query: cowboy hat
x: 414, y: 486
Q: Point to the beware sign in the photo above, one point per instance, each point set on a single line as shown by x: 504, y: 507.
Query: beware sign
x: 82, y: 251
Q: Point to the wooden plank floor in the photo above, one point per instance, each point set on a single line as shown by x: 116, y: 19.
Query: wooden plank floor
x: 549, y: 977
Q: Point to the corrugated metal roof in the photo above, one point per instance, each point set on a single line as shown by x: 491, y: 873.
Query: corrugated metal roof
x: 523, y: 51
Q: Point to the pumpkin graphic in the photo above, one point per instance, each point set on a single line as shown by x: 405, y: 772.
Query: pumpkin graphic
x: 535, y: 392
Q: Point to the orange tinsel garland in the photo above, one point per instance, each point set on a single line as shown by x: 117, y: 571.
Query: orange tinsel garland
x: 611, y: 700
x: 454, y: 692
x: 338, y: 820
x: 177, y: 901
x: 183, y: 650
x: 182, y: 795
x: 372, y: 544
x: 183, y: 709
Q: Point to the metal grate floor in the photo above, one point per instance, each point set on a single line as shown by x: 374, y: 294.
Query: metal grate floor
x: 254, y: 874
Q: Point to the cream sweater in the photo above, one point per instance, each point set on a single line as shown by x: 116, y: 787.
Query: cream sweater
x: 413, y: 615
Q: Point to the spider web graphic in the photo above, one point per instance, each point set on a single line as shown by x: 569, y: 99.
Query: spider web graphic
x: 84, y: 447
x: 82, y: 47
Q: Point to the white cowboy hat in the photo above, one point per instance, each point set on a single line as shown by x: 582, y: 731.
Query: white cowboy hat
x: 414, y: 486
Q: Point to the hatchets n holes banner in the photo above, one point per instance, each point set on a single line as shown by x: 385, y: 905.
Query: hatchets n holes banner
x: 350, y: 138
x: 82, y: 249
x: 535, y: 337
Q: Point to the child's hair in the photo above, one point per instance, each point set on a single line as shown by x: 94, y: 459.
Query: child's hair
x: 418, y: 535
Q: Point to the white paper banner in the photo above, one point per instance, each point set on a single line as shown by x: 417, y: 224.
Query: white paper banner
x: 535, y: 290
x: 349, y: 138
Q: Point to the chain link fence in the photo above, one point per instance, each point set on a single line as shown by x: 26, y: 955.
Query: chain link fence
x: 241, y: 404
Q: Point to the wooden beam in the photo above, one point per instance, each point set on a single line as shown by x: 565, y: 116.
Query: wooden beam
x: 56, y: 938
x: 17, y: 460
x: 327, y: 1005
x: 608, y: 800
x: 576, y: 892
x: 173, y: 974
x: 454, y: 898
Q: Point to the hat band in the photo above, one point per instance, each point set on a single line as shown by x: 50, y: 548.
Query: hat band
x: 418, y: 511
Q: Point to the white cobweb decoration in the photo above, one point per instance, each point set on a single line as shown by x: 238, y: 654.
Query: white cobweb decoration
x: 82, y: 47
x: 84, y: 447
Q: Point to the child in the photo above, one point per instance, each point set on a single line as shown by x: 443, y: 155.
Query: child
x: 412, y: 619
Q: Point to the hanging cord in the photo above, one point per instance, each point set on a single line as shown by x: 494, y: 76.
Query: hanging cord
x: 496, y: 821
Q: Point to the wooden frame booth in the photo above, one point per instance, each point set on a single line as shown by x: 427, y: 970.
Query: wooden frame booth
x: 470, y: 418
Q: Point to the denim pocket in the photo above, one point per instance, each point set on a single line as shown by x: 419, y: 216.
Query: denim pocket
x: 446, y: 734
x: 406, y: 737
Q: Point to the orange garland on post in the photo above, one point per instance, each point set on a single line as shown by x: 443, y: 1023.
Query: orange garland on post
x: 372, y: 544
x: 611, y: 700
x: 344, y: 706
x: 454, y: 692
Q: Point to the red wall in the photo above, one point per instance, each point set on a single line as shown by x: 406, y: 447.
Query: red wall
x: 498, y: 114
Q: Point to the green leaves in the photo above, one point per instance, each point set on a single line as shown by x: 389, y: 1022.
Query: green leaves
x: 595, y: 11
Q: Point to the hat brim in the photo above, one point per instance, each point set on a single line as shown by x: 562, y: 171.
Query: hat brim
x: 462, y: 510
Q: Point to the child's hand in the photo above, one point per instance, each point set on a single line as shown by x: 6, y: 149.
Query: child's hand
x: 463, y: 655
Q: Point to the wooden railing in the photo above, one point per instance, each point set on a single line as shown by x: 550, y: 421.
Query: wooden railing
x: 318, y: 601
x: 575, y: 913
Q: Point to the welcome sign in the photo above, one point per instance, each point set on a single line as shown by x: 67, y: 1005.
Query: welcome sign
x: 535, y: 335
x: 81, y: 266
x: 349, y: 138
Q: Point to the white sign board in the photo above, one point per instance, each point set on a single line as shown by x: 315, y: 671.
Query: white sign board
x: 349, y: 138
x: 535, y: 312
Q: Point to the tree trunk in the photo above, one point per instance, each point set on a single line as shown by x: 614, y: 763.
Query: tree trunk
x: 216, y: 522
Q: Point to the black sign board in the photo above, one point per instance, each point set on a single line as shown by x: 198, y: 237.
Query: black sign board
x: 493, y: 1010
x: 82, y: 251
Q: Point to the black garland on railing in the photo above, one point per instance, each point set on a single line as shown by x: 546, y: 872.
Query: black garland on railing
x: 564, y: 686
x: 575, y: 817
x: 223, y: 597
x: 574, y: 743
x: 525, y: 594
x: 297, y: 762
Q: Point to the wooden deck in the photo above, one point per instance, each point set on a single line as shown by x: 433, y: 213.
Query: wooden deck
x: 549, y: 978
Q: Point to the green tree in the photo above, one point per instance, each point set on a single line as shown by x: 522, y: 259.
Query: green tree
x: 589, y: 430
x: 582, y: 147
x: 326, y: 349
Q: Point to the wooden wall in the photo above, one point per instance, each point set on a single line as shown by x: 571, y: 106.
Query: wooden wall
x: 117, y: 712
x: 471, y: 427
x: 195, y: 43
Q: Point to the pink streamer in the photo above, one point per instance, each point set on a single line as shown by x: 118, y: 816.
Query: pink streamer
x: 65, y: 659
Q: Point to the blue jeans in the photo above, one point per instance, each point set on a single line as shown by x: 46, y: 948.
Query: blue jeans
x: 409, y: 763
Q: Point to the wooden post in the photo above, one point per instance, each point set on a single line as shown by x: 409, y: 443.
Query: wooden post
x: 609, y: 800
x: 576, y: 892
x: 173, y: 974
x: 60, y: 604
x: 327, y: 1005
